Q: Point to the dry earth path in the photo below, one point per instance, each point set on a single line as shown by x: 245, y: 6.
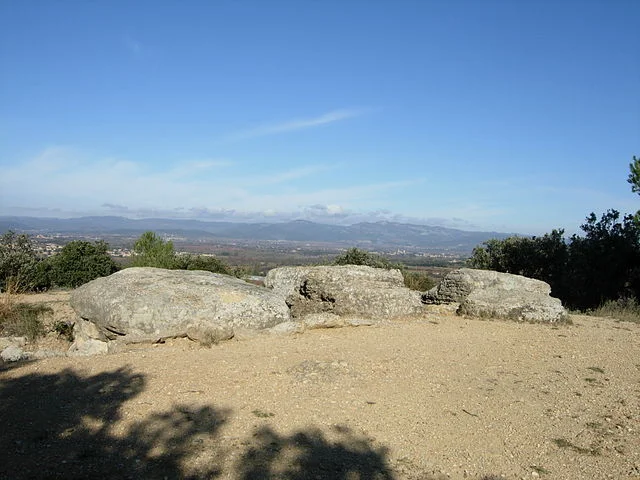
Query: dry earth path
x: 428, y: 398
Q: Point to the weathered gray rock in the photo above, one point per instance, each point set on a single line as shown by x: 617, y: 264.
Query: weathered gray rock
x: 88, y: 339
x: 85, y: 330
x: 86, y: 347
x: 330, y: 320
x: 13, y: 353
x: 40, y: 354
x: 7, y: 341
x: 484, y: 293
x: 348, y: 290
x: 287, y: 328
x: 150, y: 304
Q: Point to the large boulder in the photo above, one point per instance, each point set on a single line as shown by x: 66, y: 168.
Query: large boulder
x: 346, y: 290
x: 484, y: 293
x: 150, y: 304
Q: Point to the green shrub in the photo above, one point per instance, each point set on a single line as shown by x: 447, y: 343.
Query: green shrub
x: 355, y: 256
x: 152, y: 251
x: 64, y: 329
x: 80, y: 262
x: 419, y: 281
x: 602, y: 265
x: 21, y: 270
x: 240, y: 271
x: 201, y: 262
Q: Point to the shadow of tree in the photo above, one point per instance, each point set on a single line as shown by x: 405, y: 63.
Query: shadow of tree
x: 310, y: 455
x: 61, y: 426
x: 66, y: 426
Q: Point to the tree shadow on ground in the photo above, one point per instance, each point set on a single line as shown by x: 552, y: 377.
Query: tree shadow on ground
x: 62, y: 426
x: 69, y: 426
x: 310, y: 455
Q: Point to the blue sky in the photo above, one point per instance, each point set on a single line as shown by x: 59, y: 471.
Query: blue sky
x: 517, y: 116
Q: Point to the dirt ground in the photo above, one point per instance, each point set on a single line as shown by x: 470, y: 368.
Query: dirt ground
x: 425, y: 398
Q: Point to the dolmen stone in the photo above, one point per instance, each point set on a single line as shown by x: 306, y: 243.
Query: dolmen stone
x: 345, y: 290
x: 485, y: 293
x: 151, y: 304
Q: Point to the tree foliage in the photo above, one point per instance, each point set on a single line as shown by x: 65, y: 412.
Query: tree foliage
x: 634, y: 175
x: 21, y: 269
x: 605, y: 263
x: 543, y: 257
x: 80, y: 262
x: 602, y: 265
x: 152, y: 251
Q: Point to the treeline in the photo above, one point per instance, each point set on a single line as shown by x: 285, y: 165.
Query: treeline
x: 22, y: 269
x: 584, y: 272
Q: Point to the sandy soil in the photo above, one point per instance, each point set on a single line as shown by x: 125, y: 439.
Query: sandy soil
x: 428, y: 398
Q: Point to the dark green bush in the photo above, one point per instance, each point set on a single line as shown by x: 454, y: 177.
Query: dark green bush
x: 355, y: 256
x: 80, y: 262
x: 603, y: 265
x: 201, y: 262
x: 544, y: 258
x: 21, y: 269
x: 64, y: 329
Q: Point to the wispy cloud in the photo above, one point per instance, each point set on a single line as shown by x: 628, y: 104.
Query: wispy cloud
x: 297, y: 124
x: 286, y: 175
x: 64, y: 178
x: 196, y: 167
x: 72, y: 183
x: 133, y: 45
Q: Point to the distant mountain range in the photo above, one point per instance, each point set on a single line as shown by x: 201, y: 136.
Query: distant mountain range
x: 373, y: 235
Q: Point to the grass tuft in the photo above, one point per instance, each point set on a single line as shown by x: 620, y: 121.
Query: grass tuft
x: 623, y: 309
x: 262, y: 414
x: 22, y: 320
x: 564, y: 443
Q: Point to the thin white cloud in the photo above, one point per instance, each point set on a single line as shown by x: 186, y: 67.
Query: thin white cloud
x: 196, y: 167
x: 74, y: 181
x: 133, y: 45
x: 298, y: 124
x: 286, y: 176
x: 71, y: 183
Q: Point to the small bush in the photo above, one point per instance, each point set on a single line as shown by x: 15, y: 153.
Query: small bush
x: 624, y: 309
x: 418, y: 281
x: 201, y: 262
x: 64, y: 329
x: 240, y: 271
x: 22, y: 320
x: 355, y: 256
